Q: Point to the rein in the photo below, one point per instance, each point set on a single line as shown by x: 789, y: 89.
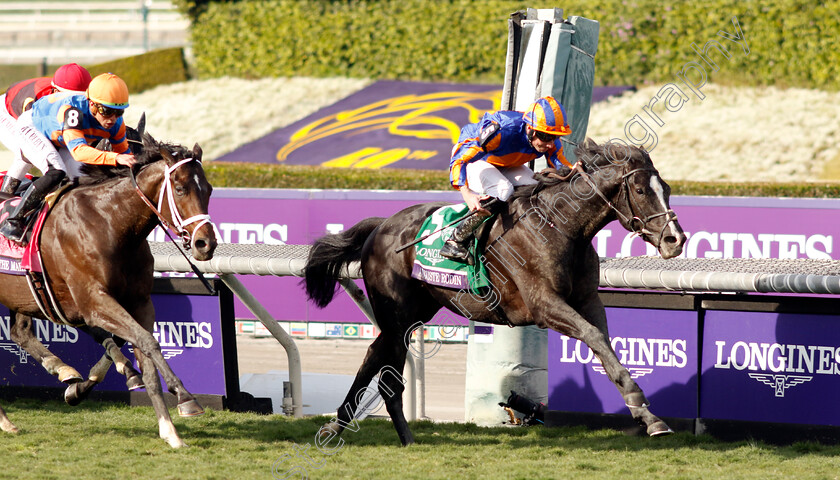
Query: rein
x: 167, y: 191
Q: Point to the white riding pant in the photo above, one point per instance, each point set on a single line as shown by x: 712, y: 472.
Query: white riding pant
x: 9, y: 138
x: 39, y: 151
x: 486, y: 179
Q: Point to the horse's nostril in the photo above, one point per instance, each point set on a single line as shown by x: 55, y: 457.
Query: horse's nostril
x: 200, y: 245
x: 670, y: 239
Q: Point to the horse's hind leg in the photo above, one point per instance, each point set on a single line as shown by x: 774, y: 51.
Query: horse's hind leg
x: 391, y: 387
x: 346, y: 413
x: 595, y: 336
x: 5, y: 424
x: 75, y: 393
x: 22, y: 334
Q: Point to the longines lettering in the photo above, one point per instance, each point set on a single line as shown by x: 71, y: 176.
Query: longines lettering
x: 704, y: 244
x: 47, y: 332
x: 658, y: 352
x: 184, y: 334
x: 775, y: 357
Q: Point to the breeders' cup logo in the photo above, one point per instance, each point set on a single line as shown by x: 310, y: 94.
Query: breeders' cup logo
x: 790, y: 365
x: 638, y: 355
x: 47, y: 332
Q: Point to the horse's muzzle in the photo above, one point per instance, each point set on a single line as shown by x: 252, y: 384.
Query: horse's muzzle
x: 673, y: 239
x: 203, y: 243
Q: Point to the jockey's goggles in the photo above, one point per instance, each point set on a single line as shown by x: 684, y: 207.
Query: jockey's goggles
x: 108, y: 111
x: 545, y: 137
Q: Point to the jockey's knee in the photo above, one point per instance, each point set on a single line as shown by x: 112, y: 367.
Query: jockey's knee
x: 55, y: 174
x: 503, y: 191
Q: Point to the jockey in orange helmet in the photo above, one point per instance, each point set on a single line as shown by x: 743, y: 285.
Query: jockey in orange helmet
x: 490, y: 159
x: 18, y: 98
x: 56, y: 136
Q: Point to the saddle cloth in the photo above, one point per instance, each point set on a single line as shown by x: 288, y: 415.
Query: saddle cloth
x: 431, y: 268
x: 17, y: 259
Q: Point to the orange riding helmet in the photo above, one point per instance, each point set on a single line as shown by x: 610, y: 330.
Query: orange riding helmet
x: 108, y: 90
x: 547, y: 115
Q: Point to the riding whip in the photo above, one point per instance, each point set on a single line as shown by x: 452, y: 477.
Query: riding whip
x: 472, y: 212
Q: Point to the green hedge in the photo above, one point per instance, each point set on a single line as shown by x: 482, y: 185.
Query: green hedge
x: 140, y: 72
x: 148, y: 70
x: 260, y: 175
x: 791, y: 42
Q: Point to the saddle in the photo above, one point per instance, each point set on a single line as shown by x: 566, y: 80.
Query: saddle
x: 25, y: 258
x: 432, y: 268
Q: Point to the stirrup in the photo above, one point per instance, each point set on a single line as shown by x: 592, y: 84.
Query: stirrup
x: 455, y: 251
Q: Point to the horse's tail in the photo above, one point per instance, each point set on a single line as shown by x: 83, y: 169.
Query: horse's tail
x: 329, y: 255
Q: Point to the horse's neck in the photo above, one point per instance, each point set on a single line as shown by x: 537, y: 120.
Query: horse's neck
x: 139, y: 218
x: 578, y: 215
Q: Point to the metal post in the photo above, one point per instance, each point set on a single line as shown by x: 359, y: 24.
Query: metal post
x: 295, y: 368
x: 144, y: 9
x: 421, y: 371
x: 410, y: 409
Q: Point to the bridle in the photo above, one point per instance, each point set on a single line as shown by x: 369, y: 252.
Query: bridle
x: 637, y: 224
x: 179, y: 223
x: 167, y: 191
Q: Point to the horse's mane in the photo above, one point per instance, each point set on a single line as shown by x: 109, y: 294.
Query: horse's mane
x: 593, y: 155
x: 149, y: 153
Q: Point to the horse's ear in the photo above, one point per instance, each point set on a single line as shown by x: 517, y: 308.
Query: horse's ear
x: 196, y: 152
x: 166, y: 155
x: 141, y: 124
x: 589, y: 144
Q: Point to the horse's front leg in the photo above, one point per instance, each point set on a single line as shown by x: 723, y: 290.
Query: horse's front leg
x: 188, y: 406
x: 590, y: 327
x: 22, y: 334
x: 103, y: 311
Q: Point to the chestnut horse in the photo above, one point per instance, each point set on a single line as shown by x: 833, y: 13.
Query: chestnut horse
x: 98, y: 263
x: 540, y: 262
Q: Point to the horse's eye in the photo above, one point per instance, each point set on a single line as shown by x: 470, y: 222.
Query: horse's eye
x: 180, y: 191
x: 640, y: 190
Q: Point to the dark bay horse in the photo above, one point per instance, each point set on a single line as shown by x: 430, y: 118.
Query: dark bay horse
x: 541, y: 265
x: 98, y: 262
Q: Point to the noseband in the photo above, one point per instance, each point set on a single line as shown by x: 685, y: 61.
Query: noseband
x: 637, y: 224
x: 167, y: 192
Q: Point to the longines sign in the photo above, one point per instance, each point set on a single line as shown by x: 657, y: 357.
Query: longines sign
x: 188, y: 328
x: 658, y: 347
x: 716, y: 228
x: 771, y: 367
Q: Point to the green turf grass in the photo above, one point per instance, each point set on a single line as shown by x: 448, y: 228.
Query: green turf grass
x: 102, y: 441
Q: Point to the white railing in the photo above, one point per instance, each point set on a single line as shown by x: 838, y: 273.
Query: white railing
x: 87, y: 32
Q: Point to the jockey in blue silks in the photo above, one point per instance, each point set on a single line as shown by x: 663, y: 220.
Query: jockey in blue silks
x: 490, y: 159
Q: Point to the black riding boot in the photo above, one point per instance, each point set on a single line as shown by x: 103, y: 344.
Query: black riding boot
x: 10, y: 185
x: 14, y: 226
x: 456, y: 248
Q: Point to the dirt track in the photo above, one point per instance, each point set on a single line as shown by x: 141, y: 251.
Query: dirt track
x: 445, y: 371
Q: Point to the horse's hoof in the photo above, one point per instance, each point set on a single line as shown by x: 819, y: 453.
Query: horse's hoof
x: 134, y: 383
x: 69, y: 375
x: 8, y: 427
x: 190, y: 408
x: 659, y: 429
x: 71, y: 395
